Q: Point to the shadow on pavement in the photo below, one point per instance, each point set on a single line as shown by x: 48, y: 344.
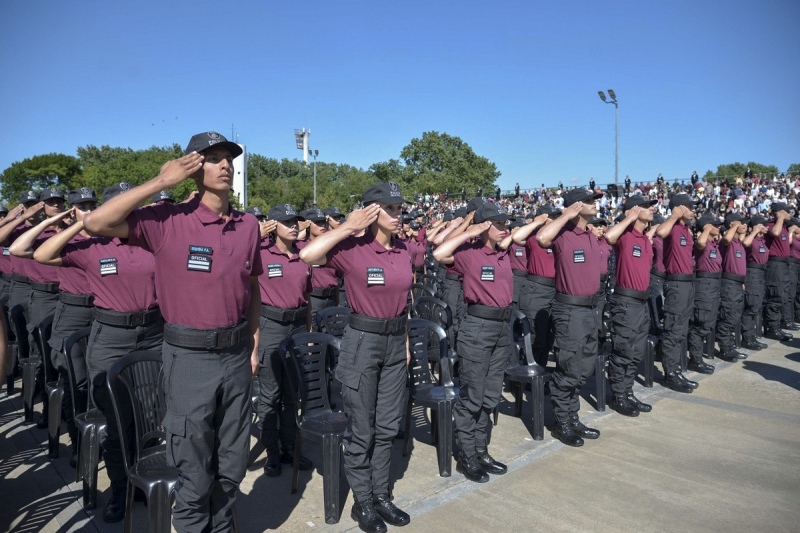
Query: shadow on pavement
x: 770, y: 372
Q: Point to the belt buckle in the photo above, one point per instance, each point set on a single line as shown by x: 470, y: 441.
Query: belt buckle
x: 135, y: 320
x: 223, y: 339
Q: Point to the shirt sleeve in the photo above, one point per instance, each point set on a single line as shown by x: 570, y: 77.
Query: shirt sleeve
x: 340, y: 257
x: 146, y: 227
x: 461, y: 258
x: 74, y: 254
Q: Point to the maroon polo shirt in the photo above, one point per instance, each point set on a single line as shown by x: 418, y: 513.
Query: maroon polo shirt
x: 38, y: 272
x: 605, y: 255
x: 71, y: 279
x: 322, y: 276
x: 18, y: 264
x: 416, y: 251
x: 5, y: 261
x: 658, y: 254
x: 709, y: 259
x: 286, y: 280
x: 734, y: 260
x: 577, y: 261
x: 794, y: 248
x: 634, y: 259
x: 203, y: 261
x: 540, y: 260
x: 421, y: 235
x: 121, y: 277
x: 519, y: 257
x: 486, y: 273
x: 377, y: 280
x: 678, y: 246
x: 757, y: 251
x: 777, y: 246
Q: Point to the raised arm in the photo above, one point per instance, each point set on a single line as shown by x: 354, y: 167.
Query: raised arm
x: 15, y: 217
x: 521, y: 235
x: 728, y: 236
x: 444, y: 253
x: 23, y: 245
x: 49, y: 252
x: 316, y: 251
x: 615, y: 232
x: 748, y: 241
x: 665, y: 228
x: 778, y: 226
x: 547, y: 234
x: 702, y: 239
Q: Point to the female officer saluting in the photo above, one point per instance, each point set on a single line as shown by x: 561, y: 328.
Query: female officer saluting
x: 485, y: 340
x: 376, y: 268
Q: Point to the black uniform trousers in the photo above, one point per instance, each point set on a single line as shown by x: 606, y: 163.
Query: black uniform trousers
x: 704, y: 317
x: 576, y: 345
x: 678, y: 309
x: 319, y: 303
x: 484, y: 348
x: 453, y: 295
x: 536, y: 301
x: 519, y: 286
x: 107, y: 345
x: 789, y: 314
x: 754, y: 287
x: 777, y: 286
x: 275, y: 399
x: 372, y: 370
x: 731, y: 307
x: 630, y: 321
x: 20, y: 294
x: 208, y: 437
x: 41, y: 305
x: 5, y: 287
x: 656, y: 310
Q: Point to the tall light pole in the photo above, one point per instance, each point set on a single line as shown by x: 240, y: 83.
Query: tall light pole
x: 314, y: 153
x: 616, y: 130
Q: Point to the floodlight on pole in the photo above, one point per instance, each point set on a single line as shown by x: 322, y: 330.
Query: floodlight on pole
x: 301, y: 140
x: 314, y: 154
x: 613, y: 96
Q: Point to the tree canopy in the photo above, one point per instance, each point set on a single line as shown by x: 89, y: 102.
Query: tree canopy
x: 39, y: 172
x: 738, y: 169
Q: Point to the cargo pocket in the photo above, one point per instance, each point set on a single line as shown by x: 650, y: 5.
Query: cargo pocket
x: 175, y: 426
x: 348, y: 377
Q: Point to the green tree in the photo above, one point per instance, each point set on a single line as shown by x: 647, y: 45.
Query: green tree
x: 39, y: 172
x: 794, y: 169
x: 439, y: 161
x: 731, y: 170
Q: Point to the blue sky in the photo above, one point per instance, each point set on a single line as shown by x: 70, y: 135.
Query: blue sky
x: 699, y: 83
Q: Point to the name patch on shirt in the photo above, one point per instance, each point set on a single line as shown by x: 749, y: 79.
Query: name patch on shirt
x: 783, y: 237
x: 487, y: 273
x: 205, y: 250
x: 375, y: 276
x: 275, y: 270
x: 712, y: 254
x: 517, y: 252
x: 762, y: 249
x: 199, y: 263
x: 738, y: 253
x: 578, y: 256
x: 637, y: 251
x: 683, y: 240
x: 6, y: 251
x: 108, y: 266
x: 549, y: 250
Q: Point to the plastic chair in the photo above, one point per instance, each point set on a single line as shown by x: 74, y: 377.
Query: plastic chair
x: 418, y: 290
x: 527, y: 373
x: 648, y: 361
x: 11, y: 342
x: 333, y: 320
x: 90, y: 423
x: 438, y: 398
x: 27, y: 363
x: 134, y: 383
x: 52, y: 387
x: 308, y: 357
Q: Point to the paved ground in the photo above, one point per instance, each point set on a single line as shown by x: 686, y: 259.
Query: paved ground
x: 725, y: 458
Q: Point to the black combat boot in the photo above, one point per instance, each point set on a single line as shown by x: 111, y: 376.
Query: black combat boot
x: 621, y: 404
x: 471, y: 469
x: 489, y: 463
x: 272, y: 468
x: 115, y: 508
x: 367, y: 517
x: 777, y: 334
x: 566, y: 434
x: 640, y: 405
x: 672, y: 381
x: 697, y: 364
x: 389, y: 511
x: 752, y: 344
x: 583, y: 431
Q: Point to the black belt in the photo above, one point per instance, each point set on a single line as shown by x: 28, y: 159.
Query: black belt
x: 81, y: 300
x: 778, y: 259
x: 451, y: 276
x: 325, y: 292
x: 679, y: 277
x: 759, y: 266
x: 520, y: 273
x: 5, y: 277
x: 794, y: 261
x: 657, y: 273
x: 45, y: 287
x: 541, y: 280
x: 489, y: 312
x: 384, y: 326
x: 206, y: 339
x: 583, y: 301
x: 702, y: 274
x: 639, y: 295
x: 282, y: 314
x: 733, y: 277
x: 19, y: 278
x: 126, y: 320
x: 603, y: 277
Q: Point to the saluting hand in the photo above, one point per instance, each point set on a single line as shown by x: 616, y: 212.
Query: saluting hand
x: 574, y: 210
x: 361, y: 219
x: 633, y: 213
x: 32, y: 210
x: 268, y: 226
x: 54, y: 220
x: 541, y: 219
x: 175, y: 171
x: 477, y: 229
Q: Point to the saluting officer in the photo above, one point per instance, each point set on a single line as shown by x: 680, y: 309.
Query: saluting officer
x: 630, y: 315
x: 519, y: 260
x: 207, y: 266
x: 577, y: 267
x: 789, y: 317
x: 708, y: 261
x: 754, y: 286
x: 657, y: 272
x: 5, y: 266
x: 678, y: 289
x: 484, y: 345
x: 376, y: 268
x: 734, y: 271
x: 285, y: 285
x: 324, y: 283
x: 777, y: 275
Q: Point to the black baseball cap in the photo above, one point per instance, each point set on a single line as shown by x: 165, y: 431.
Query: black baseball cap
x: 779, y: 206
x: 708, y: 218
x: 548, y: 210
x: 682, y: 199
x: 730, y: 218
x: 84, y: 194
x: 333, y: 212
x: 461, y: 212
x: 579, y: 195
x: 658, y: 218
x: 407, y: 218
x: 489, y: 211
x: 256, y: 212
x: 755, y: 220
x: 474, y: 203
x: 792, y: 222
x: 113, y: 190
x: 638, y: 200
x: 203, y: 141
x: 314, y: 215
x: 598, y: 222
x: 387, y: 192
x: 28, y: 196
x: 49, y: 194
x: 162, y: 196
x: 284, y: 212
x: 3, y: 210
x: 448, y: 216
